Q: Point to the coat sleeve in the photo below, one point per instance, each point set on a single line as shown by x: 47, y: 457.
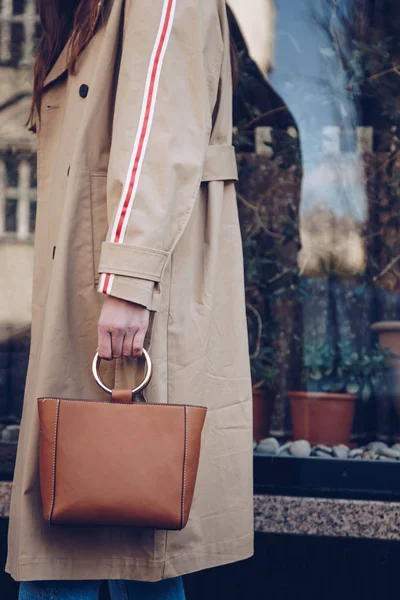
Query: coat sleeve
x: 161, y: 128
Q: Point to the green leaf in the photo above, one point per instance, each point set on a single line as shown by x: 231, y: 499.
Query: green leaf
x: 352, y: 388
x: 316, y: 374
x: 366, y: 393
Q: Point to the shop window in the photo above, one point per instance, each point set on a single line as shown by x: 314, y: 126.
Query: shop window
x: 317, y: 135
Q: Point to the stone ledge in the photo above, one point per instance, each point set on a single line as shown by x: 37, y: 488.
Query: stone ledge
x: 325, y: 517
x: 5, y: 497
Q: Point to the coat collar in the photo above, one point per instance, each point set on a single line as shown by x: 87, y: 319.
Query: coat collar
x: 61, y: 64
x: 59, y: 67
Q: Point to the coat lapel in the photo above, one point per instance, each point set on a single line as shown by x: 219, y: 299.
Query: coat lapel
x: 61, y: 64
x: 59, y: 67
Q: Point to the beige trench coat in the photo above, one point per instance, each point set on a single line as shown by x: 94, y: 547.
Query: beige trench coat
x: 136, y: 173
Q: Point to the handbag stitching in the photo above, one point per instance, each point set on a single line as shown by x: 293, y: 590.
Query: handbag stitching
x: 133, y: 404
x: 53, y: 491
x: 124, y: 403
x: 184, y: 469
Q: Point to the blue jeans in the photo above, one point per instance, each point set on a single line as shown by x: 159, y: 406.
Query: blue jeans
x: 167, y: 589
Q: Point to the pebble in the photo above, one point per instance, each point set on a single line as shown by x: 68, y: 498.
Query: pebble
x: 356, y: 452
x: 10, y: 433
x: 376, y: 450
x: 376, y: 446
x: 390, y: 453
x: 268, y: 446
x: 340, y: 451
x: 370, y: 455
x: 300, y: 448
x: 322, y: 454
x: 323, y: 448
x: 284, y: 450
x: 285, y: 453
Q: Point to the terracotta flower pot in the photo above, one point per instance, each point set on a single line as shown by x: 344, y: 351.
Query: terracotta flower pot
x: 262, y: 410
x: 389, y: 338
x: 322, y: 418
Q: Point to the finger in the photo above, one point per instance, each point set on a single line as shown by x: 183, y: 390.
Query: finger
x: 138, y: 342
x: 104, y: 344
x: 117, y: 340
x: 128, y: 342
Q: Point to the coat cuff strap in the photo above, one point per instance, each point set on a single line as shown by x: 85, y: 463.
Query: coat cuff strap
x: 140, y: 291
x: 220, y: 164
x: 132, y: 261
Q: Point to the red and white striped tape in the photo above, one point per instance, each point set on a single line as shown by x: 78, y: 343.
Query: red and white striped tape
x: 142, y: 136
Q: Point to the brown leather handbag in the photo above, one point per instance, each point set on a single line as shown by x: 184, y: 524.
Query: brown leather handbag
x: 118, y: 462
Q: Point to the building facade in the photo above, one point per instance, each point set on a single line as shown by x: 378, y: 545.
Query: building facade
x: 19, y: 30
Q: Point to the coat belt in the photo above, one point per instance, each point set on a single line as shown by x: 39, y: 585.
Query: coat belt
x: 220, y: 164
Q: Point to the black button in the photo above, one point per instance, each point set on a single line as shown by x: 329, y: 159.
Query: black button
x: 69, y: 168
x: 83, y: 90
x: 54, y: 252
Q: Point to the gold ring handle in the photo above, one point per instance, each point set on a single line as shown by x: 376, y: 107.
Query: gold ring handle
x: 145, y: 382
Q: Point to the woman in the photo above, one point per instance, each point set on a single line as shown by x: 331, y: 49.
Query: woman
x: 137, y: 223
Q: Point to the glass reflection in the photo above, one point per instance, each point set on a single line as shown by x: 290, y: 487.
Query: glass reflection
x: 317, y: 136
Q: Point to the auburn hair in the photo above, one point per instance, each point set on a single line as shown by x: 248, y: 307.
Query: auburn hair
x: 62, y: 21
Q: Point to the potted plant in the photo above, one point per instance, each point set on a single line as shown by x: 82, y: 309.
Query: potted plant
x: 263, y: 374
x: 389, y: 338
x: 264, y: 391
x: 269, y: 225
x: 334, y: 377
x: 271, y: 283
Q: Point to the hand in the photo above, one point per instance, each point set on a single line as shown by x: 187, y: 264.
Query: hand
x: 122, y: 328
